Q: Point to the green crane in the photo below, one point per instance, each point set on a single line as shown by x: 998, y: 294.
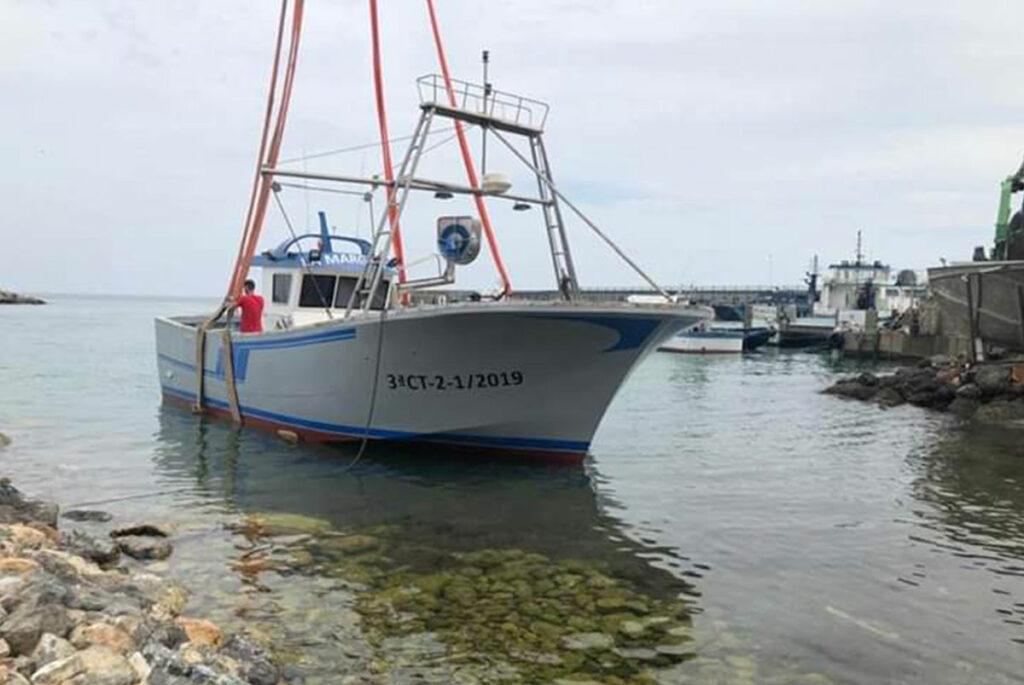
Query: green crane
x: 1009, y: 230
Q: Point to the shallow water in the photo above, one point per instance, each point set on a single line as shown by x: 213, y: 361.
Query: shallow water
x: 811, y: 539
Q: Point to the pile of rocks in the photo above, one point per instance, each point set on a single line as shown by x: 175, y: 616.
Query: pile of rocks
x: 991, y: 391
x: 7, y: 297
x: 71, y: 615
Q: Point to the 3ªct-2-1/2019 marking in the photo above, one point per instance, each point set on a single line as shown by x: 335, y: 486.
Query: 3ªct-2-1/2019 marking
x: 456, y: 381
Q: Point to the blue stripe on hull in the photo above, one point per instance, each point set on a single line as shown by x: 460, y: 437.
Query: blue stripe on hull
x: 384, y: 434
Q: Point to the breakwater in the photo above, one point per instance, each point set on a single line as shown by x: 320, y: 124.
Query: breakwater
x: 991, y: 392
x: 7, y: 297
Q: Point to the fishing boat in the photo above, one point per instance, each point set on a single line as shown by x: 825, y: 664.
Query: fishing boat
x: 348, y: 354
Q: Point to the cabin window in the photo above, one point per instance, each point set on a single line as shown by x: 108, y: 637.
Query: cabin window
x: 317, y: 291
x: 347, y: 285
x: 281, y: 291
x: 345, y: 288
x: 380, y: 298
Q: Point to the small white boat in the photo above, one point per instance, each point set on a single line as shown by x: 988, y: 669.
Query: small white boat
x: 706, y: 340
x: 346, y: 356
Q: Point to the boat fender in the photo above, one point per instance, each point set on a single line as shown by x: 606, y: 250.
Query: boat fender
x: 291, y: 437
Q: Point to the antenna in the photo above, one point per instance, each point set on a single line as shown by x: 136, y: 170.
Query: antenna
x: 487, y: 92
x: 860, y: 254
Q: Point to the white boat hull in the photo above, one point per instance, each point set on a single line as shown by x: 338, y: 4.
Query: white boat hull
x: 703, y: 343
x: 524, y: 378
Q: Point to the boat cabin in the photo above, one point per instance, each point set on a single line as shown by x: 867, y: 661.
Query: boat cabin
x: 310, y: 278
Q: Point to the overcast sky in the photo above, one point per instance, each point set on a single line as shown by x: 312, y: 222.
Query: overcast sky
x: 717, y: 141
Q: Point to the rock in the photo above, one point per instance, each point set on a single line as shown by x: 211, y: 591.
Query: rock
x: 155, y: 530
x: 991, y: 379
x: 352, y: 543
x: 102, y: 552
x: 610, y: 604
x: 102, y: 634
x: 853, y: 390
x: 255, y: 663
x: 139, y: 547
x: 632, y: 628
x: 969, y: 391
x: 50, y: 648
x: 9, y: 676
x: 587, y: 641
x: 69, y: 567
x: 678, y: 651
x: 5, y: 649
x: 638, y: 653
x: 867, y: 378
x: 5, y: 440
x: 915, y: 381
x: 141, y: 666
x: 889, y: 397
x: 87, y: 515
x: 1001, y: 411
x: 274, y: 523
x: 27, y: 537
x: 17, y: 566
x: 23, y: 628
x: 964, y: 407
x: 93, y: 666
x: 201, y: 632
x: 14, y: 508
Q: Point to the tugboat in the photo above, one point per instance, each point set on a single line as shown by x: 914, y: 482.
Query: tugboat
x: 347, y: 355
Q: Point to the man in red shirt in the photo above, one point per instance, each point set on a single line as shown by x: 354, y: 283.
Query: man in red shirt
x: 252, y: 309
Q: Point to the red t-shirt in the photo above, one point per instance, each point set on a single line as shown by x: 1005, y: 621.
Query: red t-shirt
x: 252, y: 313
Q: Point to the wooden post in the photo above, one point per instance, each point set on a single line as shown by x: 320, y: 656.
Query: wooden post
x: 971, y: 350
x: 1020, y: 312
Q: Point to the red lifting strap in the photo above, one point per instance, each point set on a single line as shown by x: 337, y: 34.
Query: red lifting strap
x: 385, y: 144
x: 268, y: 156
x: 481, y: 208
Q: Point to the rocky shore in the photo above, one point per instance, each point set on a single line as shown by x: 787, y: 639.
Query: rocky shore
x: 73, y: 613
x: 7, y: 297
x: 986, y: 392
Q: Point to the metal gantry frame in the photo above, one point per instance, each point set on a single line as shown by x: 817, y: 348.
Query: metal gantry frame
x: 550, y: 198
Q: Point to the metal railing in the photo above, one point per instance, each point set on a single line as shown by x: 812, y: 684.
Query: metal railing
x: 473, y: 97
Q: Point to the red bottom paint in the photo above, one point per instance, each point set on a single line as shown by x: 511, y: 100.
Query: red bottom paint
x: 320, y: 437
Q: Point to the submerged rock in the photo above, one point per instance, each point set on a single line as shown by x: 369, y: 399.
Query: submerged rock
x: 142, y: 530
x: 964, y: 407
x: 587, y: 641
x: 144, y: 548
x: 86, y: 515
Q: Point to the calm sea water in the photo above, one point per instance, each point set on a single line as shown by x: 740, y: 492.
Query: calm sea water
x: 816, y: 540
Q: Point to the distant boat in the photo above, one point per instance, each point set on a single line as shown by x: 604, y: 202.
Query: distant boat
x: 717, y: 339
x: 806, y: 331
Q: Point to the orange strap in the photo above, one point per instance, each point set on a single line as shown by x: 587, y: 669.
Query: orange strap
x: 263, y: 149
x: 481, y: 208
x: 263, y: 183
x: 385, y: 144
